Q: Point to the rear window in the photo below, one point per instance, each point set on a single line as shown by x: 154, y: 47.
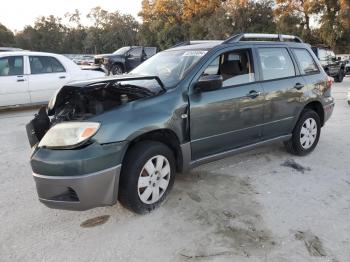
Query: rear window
x: 306, y: 62
x: 276, y: 63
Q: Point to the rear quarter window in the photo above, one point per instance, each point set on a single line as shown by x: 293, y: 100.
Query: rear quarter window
x: 275, y: 63
x: 306, y: 62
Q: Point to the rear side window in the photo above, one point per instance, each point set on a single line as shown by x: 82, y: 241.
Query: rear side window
x: 11, y: 66
x: 276, y: 63
x: 45, y: 65
x: 150, y: 51
x: 306, y: 62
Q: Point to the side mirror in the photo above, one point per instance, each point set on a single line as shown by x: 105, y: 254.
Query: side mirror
x: 208, y: 83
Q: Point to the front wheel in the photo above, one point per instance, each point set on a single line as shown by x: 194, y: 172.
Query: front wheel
x: 305, y: 134
x: 147, y: 176
x: 117, y: 70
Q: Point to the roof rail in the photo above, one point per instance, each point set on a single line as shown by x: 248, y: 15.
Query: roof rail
x: 279, y: 37
x: 196, y: 42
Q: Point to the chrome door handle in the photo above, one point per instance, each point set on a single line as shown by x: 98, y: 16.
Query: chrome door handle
x: 62, y: 77
x: 298, y: 86
x: 253, y: 94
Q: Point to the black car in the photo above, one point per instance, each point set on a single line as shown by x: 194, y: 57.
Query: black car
x: 332, y: 65
x: 124, y: 59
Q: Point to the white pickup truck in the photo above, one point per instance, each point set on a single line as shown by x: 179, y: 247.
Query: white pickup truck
x: 33, y: 77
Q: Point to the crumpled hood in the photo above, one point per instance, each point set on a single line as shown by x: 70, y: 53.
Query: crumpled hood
x: 60, y: 96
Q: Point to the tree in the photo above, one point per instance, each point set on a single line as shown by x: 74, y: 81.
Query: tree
x: 252, y: 16
x: 6, y: 36
x: 299, y: 11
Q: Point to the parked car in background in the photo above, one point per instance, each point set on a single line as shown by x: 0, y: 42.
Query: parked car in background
x: 347, y: 68
x: 124, y: 59
x: 33, y: 77
x: 9, y: 49
x: 127, y: 136
x: 331, y: 64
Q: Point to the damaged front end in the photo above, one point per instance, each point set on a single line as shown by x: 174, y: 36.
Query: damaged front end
x: 81, y: 100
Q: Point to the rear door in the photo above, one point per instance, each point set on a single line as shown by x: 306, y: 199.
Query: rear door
x: 283, y: 87
x: 47, y: 74
x: 13, y: 81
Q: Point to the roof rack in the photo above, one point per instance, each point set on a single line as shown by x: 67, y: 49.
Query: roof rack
x: 196, y: 42
x: 279, y: 37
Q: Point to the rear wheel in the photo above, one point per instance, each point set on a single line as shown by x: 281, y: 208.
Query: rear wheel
x: 340, y: 76
x: 147, y: 176
x: 306, y: 134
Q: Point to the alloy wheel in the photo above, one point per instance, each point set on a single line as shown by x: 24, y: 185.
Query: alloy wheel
x: 154, y: 179
x: 308, y: 133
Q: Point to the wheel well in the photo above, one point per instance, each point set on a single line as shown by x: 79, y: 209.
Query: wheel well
x: 120, y: 64
x: 167, y: 137
x: 318, y: 108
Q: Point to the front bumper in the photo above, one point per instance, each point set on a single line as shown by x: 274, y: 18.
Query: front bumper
x: 79, y: 192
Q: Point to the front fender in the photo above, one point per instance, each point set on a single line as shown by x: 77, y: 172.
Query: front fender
x: 142, y: 116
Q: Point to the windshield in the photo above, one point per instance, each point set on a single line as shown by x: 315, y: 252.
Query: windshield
x: 169, y: 66
x: 122, y: 50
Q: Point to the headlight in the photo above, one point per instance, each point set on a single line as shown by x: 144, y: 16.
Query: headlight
x: 69, y: 134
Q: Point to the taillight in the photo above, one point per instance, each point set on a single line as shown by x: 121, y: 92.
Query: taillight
x: 330, y: 81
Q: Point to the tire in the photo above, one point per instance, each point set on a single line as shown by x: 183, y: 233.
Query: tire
x: 339, y: 77
x: 299, y: 144
x: 116, y: 70
x: 136, y: 182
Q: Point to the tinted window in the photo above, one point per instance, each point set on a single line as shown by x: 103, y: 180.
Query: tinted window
x: 150, y: 51
x: 322, y: 54
x: 136, y: 52
x: 276, y: 63
x: 306, y: 62
x: 235, y: 67
x: 45, y: 65
x: 11, y: 66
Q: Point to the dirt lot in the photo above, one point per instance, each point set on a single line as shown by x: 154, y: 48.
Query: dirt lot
x: 264, y: 205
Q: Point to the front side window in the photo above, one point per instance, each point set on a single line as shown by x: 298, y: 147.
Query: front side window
x: 235, y: 67
x: 306, y: 62
x: 136, y: 52
x: 275, y: 63
x: 45, y: 65
x: 170, y: 66
x: 11, y: 66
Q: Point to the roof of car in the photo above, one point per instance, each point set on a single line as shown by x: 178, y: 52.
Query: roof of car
x: 202, y: 45
x: 19, y: 53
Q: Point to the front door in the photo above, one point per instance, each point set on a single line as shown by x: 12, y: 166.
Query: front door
x: 232, y: 116
x: 13, y: 82
x: 134, y: 58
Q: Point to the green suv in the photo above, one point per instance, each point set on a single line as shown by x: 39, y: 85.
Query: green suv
x: 124, y: 138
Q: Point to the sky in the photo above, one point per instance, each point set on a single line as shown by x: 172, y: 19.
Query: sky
x: 15, y: 14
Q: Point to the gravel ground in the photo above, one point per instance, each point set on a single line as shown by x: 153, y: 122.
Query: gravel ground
x: 263, y: 205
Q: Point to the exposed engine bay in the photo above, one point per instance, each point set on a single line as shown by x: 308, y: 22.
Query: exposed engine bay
x: 83, y: 100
